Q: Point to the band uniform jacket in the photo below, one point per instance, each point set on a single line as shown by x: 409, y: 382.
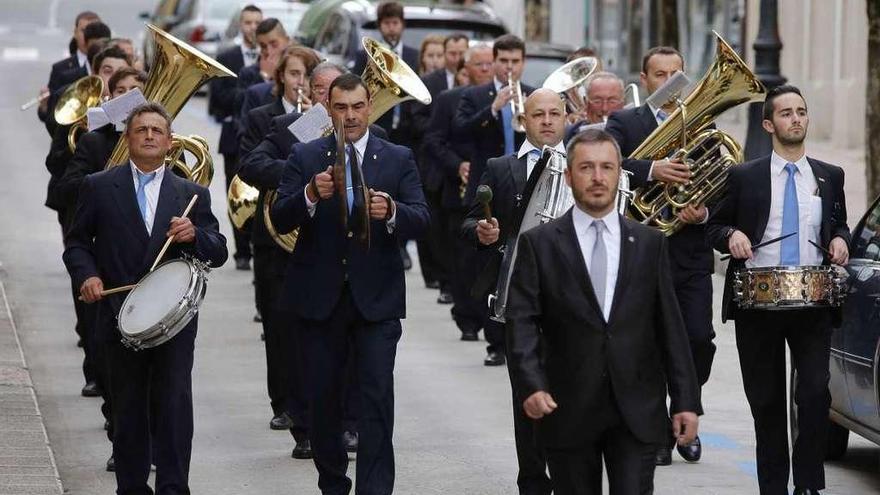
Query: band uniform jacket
x: 326, y: 257
x: 259, y: 120
x: 559, y: 341
x: 108, y: 238
x: 445, y: 149
x: 221, y: 101
x: 93, y: 149
x: 746, y: 207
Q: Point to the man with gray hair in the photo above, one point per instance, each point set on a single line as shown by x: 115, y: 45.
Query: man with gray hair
x: 604, y: 97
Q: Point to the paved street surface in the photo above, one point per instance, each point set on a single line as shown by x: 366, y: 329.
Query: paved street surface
x: 454, y: 430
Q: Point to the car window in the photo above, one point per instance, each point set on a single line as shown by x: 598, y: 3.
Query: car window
x: 415, y: 32
x: 220, y: 9
x: 333, y: 39
x: 866, y: 242
x: 537, y: 69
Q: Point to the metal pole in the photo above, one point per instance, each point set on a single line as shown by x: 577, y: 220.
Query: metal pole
x: 767, y: 47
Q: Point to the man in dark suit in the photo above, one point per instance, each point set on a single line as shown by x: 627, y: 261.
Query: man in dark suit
x: 344, y: 291
x: 690, y: 254
x: 595, y: 335
x: 76, y: 60
x: 604, y: 96
x: 766, y: 198
x: 450, y: 156
x: 221, y: 105
x: 544, y: 121
x: 124, y: 216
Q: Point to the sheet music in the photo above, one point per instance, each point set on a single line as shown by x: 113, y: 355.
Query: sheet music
x: 312, y: 124
x: 118, y: 108
x: 96, y: 117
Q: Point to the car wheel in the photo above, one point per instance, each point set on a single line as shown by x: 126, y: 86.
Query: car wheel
x: 838, y: 436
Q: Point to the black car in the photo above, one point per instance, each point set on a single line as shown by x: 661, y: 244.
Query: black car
x: 855, y: 346
x: 341, y: 25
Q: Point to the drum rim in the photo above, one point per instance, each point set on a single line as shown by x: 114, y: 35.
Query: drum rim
x: 182, y: 320
x: 173, y: 314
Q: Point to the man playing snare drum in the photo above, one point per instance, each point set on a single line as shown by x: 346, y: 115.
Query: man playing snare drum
x: 780, y: 194
x: 123, y: 218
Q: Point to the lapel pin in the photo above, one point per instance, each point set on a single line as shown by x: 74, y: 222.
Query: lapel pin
x: 328, y: 153
x: 374, y: 157
x: 631, y: 239
x: 820, y: 179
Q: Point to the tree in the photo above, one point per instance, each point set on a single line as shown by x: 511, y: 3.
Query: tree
x: 872, y: 103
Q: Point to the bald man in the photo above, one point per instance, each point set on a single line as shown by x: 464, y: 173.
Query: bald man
x: 604, y: 97
x: 544, y: 122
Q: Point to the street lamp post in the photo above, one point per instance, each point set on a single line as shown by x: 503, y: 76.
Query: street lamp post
x: 767, y: 47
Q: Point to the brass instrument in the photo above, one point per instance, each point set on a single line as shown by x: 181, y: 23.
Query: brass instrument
x: 391, y: 82
x: 631, y: 96
x: 178, y: 70
x: 299, y: 100
x: 685, y: 136
x: 241, y: 200
x: 73, y: 105
x: 517, y: 103
x: 571, y: 81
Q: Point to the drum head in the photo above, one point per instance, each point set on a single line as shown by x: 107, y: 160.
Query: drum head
x: 157, y: 295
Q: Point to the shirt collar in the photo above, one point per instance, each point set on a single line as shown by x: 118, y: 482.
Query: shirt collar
x: 135, y: 171
x: 777, y: 163
x: 288, y: 106
x: 498, y: 84
x: 583, y: 220
x: 527, y: 147
x: 361, y: 144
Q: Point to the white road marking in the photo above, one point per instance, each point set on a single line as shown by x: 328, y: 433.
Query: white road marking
x: 18, y: 54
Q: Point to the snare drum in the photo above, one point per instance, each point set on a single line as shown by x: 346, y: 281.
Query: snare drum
x: 162, y: 303
x: 789, y: 287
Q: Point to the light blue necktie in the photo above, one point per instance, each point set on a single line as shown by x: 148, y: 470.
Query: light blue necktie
x: 789, y: 253
x: 662, y: 116
x: 506, y: 117
x: 143, y: 180
x: 349, y: 184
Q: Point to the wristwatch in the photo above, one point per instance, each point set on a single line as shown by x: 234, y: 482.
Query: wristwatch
x: 729, y: 232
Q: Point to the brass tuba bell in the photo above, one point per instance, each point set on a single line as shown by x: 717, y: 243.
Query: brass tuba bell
x: 685, y: 135
x: 74, y: 103
x: 571, y: 79
x: 178, y: 71
x: 390, y: 82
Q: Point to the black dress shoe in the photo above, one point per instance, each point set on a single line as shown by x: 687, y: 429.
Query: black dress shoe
x: 663, y: 456
x: 258, y: 318
x: 433, y: 284
x: 469, y: 335
x: 444, y: 298
x: 281, y: 422
x: 111, y: 464
x: 303, y: 450
x: 91, y: 389
x: 494, y: 358
x: 106, y: 425
x: 805, y: 491
x: 350, y: 441
x: 80, y: 343
x: 407, y: 261
x: 242, y: 264
x: 692, y: 452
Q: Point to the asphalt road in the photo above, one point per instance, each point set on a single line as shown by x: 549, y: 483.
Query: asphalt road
x: 453, y: 416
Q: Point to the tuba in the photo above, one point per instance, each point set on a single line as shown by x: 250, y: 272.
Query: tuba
x: 570, y: 81
x: 74, y: 103
x: 391, y: 82
x: 686, y: 135
x: 178, y: 71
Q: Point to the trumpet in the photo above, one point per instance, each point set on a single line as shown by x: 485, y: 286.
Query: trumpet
x: 33, y: 101
x: 517, y: 103
x: 299, y: 100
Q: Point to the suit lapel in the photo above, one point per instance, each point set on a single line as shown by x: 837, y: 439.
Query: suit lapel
x: 518, y: 169
x: 125, y: 196
x: 571, y: 252
x: 369, y: 163
x: 646, y: 117
x: 762, y: 193
x: 823, y: 181
x: 167, y: 206
x: 628, y: 238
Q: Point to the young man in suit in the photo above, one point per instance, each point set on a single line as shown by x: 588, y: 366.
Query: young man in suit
x: 690, y: 254
x: 221, y: 105
x: 766, y: 198
x: 345, y: 293
x: 123, y: 218
x: 595, y: 335
x: 604, y: 97
x: 76, y: 60
x: 450, y: 155
x: 544, y: 121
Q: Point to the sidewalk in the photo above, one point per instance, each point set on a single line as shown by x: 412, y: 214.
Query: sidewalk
x: 27, y: 464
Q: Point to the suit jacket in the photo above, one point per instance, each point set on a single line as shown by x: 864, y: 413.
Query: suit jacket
x: 410, y: 56
x: 688, y: 248
x: 325, y: 256
x: 474, y: 121
x: 419, y: 122
x: 445, y: 149
x: 255, y: 96
x: 401, y: 135
x: 93, y: 149
x: 108, y: 239
x: 63, y: 72
x: 559, y: 341
x: 221, y: 102
x: 57, y: 160
x: 258, y: 122
x: 746, y: 207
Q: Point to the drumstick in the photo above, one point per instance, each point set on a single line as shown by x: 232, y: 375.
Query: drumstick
x: 192, y: 202
x: 820, y: 248
x: 108, y: 292
x: 762, y: 244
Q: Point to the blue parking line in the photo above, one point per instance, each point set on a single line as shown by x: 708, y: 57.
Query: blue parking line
x: 748, y: 467
x: 717, y: 440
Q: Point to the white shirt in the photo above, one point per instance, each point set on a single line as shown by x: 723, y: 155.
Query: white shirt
x: 360, y: 147
x: 151, y: 192
x: 527, y: 147
x: 288, y: 106
x: 450, y: 79
x: 611, y: 236
x: 83, y: 61
x: 809, y: 214
x: 247, y: 57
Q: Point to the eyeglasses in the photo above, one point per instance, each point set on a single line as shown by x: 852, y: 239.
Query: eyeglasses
x: 596, y: 102
x: 480, y: 64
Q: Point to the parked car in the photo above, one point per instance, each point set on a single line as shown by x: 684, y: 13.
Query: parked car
x: 855, y: 346
x: 335, y: 27
x: 200, y: 23
x: 289, y: 13
x: 541, y: 60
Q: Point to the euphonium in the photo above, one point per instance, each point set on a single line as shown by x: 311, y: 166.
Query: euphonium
x: 570, y: 81
x: 685, y: 136
x: 391, y: 82
x: 74, y: 103
x: 178, y: 70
